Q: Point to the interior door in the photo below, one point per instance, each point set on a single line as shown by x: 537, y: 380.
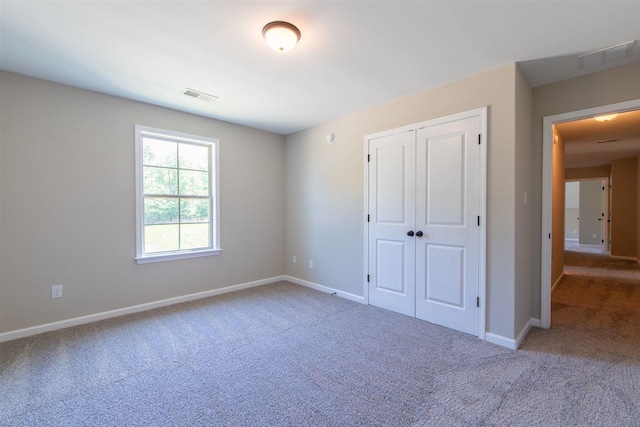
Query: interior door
x: 447, y: 209
x: 392, y: 216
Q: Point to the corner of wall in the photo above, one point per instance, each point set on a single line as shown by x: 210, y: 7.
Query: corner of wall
x: 527, y: 258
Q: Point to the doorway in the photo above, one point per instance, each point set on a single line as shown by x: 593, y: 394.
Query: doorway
x: 549, y: 138
x: 586, y: 216
x: 424, y: 238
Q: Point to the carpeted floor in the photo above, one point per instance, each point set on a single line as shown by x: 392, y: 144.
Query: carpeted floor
x: 282, y: 354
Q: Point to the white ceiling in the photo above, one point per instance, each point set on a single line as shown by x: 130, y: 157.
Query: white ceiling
x: 581, y: 140
x: 352, y: 54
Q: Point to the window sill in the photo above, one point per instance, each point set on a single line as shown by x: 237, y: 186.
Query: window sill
x: 173, y: 256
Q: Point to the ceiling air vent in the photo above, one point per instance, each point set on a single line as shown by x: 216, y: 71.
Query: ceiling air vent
x: 199, y: 95
x: 604, y: 141
x: 604, y: 56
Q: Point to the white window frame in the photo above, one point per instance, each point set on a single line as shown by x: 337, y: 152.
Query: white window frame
x: 214, y: 179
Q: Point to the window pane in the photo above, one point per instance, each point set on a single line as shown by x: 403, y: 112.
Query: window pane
x: 194, y: 157
x: 161, y: 238
x: 194, y: 210
x: 160, y: 180
x: 194, y: 236
x: 160, y: 210
x: 156, y: 152
x: 193, y: 183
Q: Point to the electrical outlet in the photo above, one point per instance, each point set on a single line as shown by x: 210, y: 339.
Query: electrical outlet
x: 56, y: 291
x: 595, y: 236
x: 293, y: 259
x: 310, y: 263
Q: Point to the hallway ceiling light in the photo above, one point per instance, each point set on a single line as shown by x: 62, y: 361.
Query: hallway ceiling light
x: 281, y: 36
x: 606, y: 118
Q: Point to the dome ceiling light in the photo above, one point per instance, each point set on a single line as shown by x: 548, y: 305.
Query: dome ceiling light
x: 281, y: 36
x: 606, y: 118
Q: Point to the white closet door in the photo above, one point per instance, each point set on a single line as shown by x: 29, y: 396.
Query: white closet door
x: 392, y: 209
x: 447, y: 209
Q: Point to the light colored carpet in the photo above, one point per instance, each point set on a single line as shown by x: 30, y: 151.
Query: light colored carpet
x: 282, y: 354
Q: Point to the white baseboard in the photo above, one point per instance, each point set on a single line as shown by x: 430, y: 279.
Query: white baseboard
x: 570, y: 240
x: 502, y: 341
x: 327, y: 289
x: 34, y: 330
x: 553, y: 287
x: 525, y: 330
x: 625, y: 258
x: 513, y: 344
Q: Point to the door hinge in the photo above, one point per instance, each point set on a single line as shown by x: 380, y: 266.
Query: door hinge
x: 602, y: 240
x: 479, y: 139
x: 478, y: 220
x: 368, y: 278
x: 602, y: 188
x: 477, y: 301
x: 368, y: 218
x: 549, y: 235
x: 368, y: 157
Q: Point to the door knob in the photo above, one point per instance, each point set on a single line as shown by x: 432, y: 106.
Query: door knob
x: 409, y: 233
x: 419, y: 233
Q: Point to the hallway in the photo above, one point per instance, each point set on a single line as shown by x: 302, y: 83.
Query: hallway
x: 597, y: 306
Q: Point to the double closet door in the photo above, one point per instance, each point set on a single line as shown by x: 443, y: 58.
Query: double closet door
x: 424, y: 215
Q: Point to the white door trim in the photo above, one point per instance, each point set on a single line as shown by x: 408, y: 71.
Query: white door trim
x: 547, y: 164
x: 482, y: 272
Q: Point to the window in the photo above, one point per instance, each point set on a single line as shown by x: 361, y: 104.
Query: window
x: 177, y: 207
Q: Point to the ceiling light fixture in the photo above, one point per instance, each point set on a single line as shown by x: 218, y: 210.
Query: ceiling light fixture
x: 606, y: 117
x: 281, y: 36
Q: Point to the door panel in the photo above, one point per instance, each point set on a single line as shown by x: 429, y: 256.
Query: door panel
x: 392, y: 215
x: 448, y: 189
x: 445, y: 179
x: 445, y: 275
x: 390, y: 194
x: 390, y: 263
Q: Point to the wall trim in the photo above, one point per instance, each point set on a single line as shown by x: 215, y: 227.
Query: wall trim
x: 501, y: 341
x: 326, y: 289
x: 625, y: 258
x: 525, y: 330
x: 553, y: 288
x: 511, y: 343
x: 47, y: 327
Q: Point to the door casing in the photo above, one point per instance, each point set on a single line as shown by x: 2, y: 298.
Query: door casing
x: 481, y: 113
x: 547, y: 167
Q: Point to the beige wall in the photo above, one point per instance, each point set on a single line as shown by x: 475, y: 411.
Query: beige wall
x: 67, y: 191
x: 524, y: 286
x: 587, y: 173
x: 593, y: 90
x: 624, y: 205
x: 325, y: 187
x: 557, y: 214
